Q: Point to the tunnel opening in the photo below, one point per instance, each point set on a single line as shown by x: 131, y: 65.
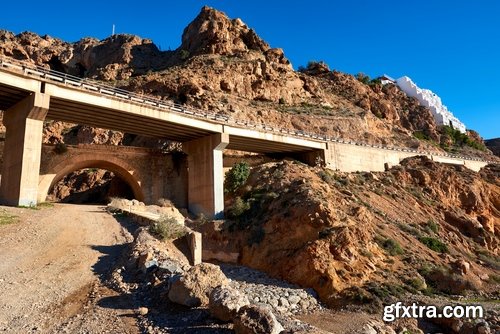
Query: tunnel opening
x: 90, y: 186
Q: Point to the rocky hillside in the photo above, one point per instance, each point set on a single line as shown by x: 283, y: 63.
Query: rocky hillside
x: 421, y: 227
x: 224, y: 66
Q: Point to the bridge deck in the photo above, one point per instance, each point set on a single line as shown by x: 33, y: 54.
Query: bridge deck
x: 87, y: 106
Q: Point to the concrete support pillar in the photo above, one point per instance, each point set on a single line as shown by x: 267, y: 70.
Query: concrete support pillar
x: 22, y: 150
x: 206, y: 175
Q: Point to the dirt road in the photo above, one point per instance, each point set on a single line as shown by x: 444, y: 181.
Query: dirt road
x: 51, y: 261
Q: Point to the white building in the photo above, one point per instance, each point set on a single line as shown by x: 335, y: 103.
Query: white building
x: 428, y: 99
x: 385, y: 79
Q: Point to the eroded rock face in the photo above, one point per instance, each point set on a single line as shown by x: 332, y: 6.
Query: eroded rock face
x: 339, y: 233
x: 194, y: 287
x: 115, y: 58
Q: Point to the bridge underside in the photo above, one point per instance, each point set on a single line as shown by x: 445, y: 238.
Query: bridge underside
x: 85, y: 114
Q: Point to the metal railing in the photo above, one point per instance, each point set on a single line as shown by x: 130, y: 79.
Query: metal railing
x: 32, y: 70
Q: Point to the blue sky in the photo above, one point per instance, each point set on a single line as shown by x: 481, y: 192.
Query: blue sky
x: 452, y: 48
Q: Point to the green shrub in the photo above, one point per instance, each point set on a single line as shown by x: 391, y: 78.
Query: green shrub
x: 363, y: 78
x: 420, y: 135
x: 184, y: 54
x: 431, y: 225
x: 417, y: 283
x: 238, y: 208
x: 434, y: 244
x: 167, y: 228
x: 236, y: 176
x: 391, y: 246
x: 461, y: 139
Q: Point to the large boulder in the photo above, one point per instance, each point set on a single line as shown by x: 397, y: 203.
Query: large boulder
x: 225, y: 302
x: 194, y: 287
x: 254, y: 319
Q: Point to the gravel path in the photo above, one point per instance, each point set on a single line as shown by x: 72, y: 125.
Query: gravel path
x: 51, y: 259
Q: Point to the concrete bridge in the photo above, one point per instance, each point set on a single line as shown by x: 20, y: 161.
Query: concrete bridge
x: 29, y: 95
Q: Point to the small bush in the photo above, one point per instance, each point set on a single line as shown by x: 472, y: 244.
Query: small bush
x: 434, y: 244
x: 202, y: 219
x: 390, y: 245
x: 237, y: 176
x: 420, y: 135
x: 431, y: 225
x: 363, y: 78
x: 167, y: 228
x: 281, y: 101
x: 184, y: 54
x: 238, y: 208
x: 326, y: 176
x: 417, y: 283
x: 494, y: 279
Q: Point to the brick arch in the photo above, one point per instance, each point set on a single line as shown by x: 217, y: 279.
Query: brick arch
x: 60, y: 169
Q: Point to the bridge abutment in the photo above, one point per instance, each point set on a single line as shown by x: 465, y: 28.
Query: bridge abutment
x: 206, y: 175
x: 22, y: 150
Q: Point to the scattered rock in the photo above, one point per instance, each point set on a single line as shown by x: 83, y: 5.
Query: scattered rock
x: 462, y: 266
x: 225, y: 302
x: 194, y: 287
x: 145, y: 261
x: 142, y: 310
x: 256, y: 320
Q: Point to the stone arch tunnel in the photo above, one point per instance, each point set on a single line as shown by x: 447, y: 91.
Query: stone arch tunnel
x: 150, y: 174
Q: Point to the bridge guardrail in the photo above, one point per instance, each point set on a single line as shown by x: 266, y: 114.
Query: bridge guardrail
x: 29, y: 69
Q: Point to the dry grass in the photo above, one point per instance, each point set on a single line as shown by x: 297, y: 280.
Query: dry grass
x: 167, y: 228
x: 7, y: 218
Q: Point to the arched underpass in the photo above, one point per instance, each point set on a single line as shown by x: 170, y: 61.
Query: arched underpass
x: 90, y: 186
x: 87, y: 171
x: 140, y: 173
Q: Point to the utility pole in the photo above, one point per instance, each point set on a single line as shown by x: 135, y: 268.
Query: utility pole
x: 113, y: 31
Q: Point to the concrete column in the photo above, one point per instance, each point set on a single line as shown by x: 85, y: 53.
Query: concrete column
x: 22, y: 150
x: 206, y: 175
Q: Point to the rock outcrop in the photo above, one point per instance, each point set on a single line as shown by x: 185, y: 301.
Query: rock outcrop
x: 193, y: 288
x: 343, y: 234
x: 212, y: 32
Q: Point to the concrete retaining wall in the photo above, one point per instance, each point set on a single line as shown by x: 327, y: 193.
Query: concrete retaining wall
x: 352, y: 158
